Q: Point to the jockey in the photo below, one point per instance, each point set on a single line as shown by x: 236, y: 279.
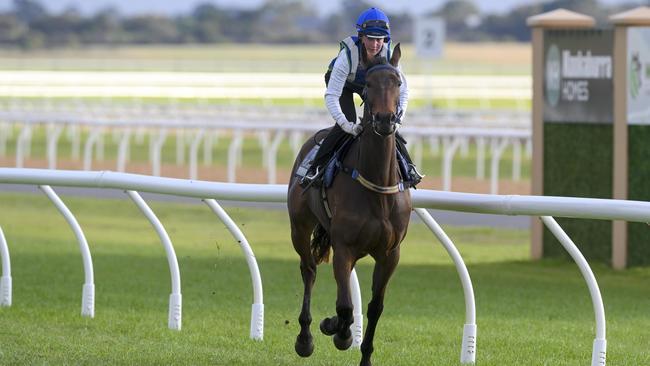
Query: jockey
x: 346, y: 75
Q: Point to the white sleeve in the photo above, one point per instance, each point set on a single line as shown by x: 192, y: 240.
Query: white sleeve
x: 403, y: 93
x: 339, y: 75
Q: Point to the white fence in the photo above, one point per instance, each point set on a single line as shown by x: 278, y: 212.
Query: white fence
x: 194, y: 130
x: 544, y: 207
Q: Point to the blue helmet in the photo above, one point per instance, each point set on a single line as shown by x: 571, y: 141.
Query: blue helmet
x: 373, y: 23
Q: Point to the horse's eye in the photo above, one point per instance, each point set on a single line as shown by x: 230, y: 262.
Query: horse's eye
x: 368, y: 85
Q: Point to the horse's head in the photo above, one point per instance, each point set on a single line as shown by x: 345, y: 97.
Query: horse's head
x: 381, y: 94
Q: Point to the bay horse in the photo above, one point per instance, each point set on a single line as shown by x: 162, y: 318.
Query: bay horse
x: 369, y: 214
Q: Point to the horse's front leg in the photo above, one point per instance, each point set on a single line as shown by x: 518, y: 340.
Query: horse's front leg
x: 384, y: 268
x: 305, y: 342
x: 339, y: 325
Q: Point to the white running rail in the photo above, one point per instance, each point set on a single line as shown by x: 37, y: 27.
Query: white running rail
x: 175, y: 298
x: 257, y: 311
x: 5, y: 280
x: 88, y: 290
x: 599, y: 352
x: 545, y: 207
x: 468, y: 345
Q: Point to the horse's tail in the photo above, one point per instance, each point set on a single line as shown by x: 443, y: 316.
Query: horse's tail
x: 320, y: 244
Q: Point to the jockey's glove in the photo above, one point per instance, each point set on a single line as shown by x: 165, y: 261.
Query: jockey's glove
x: 352, y: 128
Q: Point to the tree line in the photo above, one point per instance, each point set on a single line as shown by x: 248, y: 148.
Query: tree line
x: 29, y: 25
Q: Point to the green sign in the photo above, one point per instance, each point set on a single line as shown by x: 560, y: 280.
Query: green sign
x: 578, y: 72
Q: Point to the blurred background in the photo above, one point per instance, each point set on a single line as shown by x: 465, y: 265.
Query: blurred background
x: 31, y: 24
x: 228, y: 90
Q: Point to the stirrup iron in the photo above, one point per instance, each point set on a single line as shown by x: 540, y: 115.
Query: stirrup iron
x: 414, y: 170
x: 313, y: 176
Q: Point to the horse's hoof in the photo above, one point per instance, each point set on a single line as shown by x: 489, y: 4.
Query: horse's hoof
x: 304, y: 349
x: 342, y: 343
x: 326, y: 327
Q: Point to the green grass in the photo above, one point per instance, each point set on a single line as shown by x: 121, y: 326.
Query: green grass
x: 529, y: 313
x: 463, y: 166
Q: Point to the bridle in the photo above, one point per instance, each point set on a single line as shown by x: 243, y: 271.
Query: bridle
x: 394, y: 118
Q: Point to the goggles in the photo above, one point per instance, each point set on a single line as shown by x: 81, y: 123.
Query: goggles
x: 375, y: 24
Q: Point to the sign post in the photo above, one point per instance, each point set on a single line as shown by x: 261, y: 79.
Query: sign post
x: 429, y: 41
x: 631, y: 131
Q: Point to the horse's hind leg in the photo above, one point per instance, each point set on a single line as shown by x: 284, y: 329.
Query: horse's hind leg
x: 339, y: 325
x: 300, y: 236
x: 384, y: 268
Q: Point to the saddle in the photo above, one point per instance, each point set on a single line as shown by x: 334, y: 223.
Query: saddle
x: 324, y: 177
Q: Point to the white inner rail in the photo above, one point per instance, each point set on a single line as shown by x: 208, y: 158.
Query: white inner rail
x: 544, y: 207
x: 88, y: 291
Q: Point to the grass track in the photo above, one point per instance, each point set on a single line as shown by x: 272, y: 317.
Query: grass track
x: 458, y: 58
x: 528, y: 313
x: 414, y: 104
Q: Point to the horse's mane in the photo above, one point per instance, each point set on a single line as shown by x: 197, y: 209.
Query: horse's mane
x: 377, y: 60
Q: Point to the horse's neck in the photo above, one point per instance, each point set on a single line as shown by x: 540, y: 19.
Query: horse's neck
x: 377, y: 159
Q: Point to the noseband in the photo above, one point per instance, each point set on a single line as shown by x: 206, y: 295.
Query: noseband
x: 393, y: 118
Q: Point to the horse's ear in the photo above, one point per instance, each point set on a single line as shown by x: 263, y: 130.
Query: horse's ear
x: 397, y: 53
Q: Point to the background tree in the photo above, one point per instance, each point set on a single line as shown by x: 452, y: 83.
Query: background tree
x: 343, y: 24
x: 61, y: 30
x: 28, y: 11
x: 205, y: 24
x: 401, y: 27
x: 512, y: 26
x: 105, y: 27
x: 459, y: 16
x: 151, y: 29
x: 11, y: 29
x: 289, y: 21
x: 29, y: 25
